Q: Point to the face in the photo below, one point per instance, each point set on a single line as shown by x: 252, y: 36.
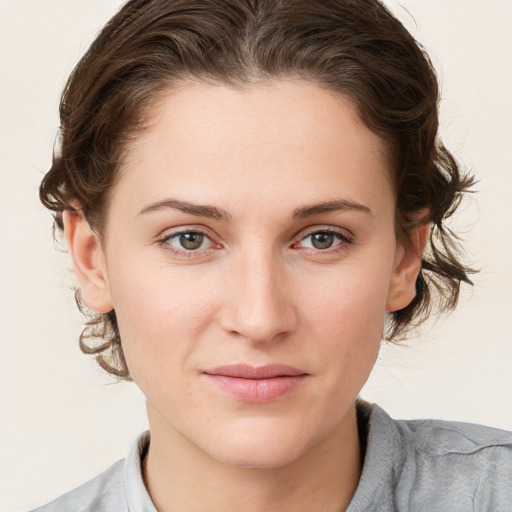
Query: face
x: 251, y: 257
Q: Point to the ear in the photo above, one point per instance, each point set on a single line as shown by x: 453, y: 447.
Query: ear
x: 407, y: 265
x: 88, y: 261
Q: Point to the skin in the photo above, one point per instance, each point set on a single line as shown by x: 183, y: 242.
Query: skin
x: 257, y: 290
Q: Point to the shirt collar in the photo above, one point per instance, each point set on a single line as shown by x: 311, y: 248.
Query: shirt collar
x: 136, y: 494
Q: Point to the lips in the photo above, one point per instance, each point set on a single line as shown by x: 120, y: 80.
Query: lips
x: 256, y: 384
x: 245, y: 371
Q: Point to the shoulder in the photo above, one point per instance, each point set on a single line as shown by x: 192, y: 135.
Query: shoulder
x: 104, y: 492
x: 457, y: 466
x: 438, y: 438
x: 118, y: 489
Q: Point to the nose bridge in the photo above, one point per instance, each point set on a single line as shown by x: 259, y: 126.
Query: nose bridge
x: 258, y: 307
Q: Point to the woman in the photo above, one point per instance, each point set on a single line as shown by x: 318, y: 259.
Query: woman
x: 251, y: 192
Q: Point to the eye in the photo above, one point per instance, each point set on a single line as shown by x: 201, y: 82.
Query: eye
x: 187, y: 241
x: 324, y: 239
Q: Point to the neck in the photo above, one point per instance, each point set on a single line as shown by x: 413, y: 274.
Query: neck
x: 179, y: 476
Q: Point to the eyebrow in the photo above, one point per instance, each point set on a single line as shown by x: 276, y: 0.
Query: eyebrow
x: 330, y: 206
x: 213, y: 212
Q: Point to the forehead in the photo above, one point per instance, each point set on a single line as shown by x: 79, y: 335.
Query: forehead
x: 287, y: 138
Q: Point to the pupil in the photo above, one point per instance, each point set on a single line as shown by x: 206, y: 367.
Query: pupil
x: 191, y: 241
x: 322, y: 240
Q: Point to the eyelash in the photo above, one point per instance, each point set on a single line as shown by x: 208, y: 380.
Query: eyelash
x: 184, y: 253
x: 344, y: 241
x: 343, y: 238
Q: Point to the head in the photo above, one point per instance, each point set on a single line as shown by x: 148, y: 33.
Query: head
x: 355, y: 52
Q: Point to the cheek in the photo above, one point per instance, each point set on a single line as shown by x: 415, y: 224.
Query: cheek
x: 161, y: 314
x: 346, y: 318
x: 352, y: 329
x: 352, y: 300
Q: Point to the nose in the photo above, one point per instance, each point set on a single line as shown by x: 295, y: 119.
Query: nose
x: 258, y: 303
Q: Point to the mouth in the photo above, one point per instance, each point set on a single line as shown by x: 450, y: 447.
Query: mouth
x: 256, y: 384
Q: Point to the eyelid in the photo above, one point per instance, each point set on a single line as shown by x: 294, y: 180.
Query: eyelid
x: 192, y: 228
x: 342, y: 232
x: 344, y: 235
x: 169, y: 234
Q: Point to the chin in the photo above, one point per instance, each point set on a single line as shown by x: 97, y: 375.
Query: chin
x: 259, y: 447
x: 259, y: 457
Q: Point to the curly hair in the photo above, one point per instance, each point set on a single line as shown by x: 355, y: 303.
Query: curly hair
x: 353, y: 47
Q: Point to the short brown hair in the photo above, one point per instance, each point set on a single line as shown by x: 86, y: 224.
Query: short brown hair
x: 354, y: 47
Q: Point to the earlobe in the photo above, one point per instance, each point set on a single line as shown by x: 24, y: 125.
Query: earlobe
x: 88, y: 261
x: 407, y: 265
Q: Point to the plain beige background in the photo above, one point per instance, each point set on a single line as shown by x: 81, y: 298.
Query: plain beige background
x: 61, y: 420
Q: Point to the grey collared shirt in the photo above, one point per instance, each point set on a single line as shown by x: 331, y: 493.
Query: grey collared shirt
x: 415, y: 465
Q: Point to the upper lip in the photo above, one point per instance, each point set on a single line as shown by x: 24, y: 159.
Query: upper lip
x: 246, y: 371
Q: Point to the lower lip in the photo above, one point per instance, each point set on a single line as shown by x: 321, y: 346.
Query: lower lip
x: 257, y: 390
